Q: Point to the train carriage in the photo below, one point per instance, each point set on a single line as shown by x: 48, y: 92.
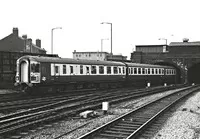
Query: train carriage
x: 142, y: 74
x: 68, y: 73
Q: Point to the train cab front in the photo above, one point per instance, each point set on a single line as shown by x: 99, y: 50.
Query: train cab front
x: 27, y: 74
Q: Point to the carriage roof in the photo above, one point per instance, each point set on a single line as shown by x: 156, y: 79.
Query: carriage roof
x: 71, y: 61
x: 146, y: 65
x: 60, y: 60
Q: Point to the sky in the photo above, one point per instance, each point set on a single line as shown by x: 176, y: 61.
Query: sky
x: 134, y: 22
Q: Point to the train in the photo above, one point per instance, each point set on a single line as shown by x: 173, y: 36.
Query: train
x: 56, y: 74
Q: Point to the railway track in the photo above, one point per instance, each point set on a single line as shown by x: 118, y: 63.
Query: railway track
x: 133, y: 124
x: 28, y: 102
x: 45, y: 114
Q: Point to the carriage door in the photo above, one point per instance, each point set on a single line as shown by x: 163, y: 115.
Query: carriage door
x: 24, y: 71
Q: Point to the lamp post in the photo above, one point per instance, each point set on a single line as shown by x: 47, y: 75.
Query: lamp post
x: 110, y: 34
x: 52, y: 37
x: 102, y: 44
x: 163, y: 39
x: 164, y: 47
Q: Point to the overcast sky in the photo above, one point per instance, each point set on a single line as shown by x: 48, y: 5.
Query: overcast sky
x: 134, y: 22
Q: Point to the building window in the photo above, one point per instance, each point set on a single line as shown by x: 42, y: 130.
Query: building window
x: 81, y: 69
x: 108, y: 70
x: 93, y: 70
x: 64, y: 69
x: 101, y: 69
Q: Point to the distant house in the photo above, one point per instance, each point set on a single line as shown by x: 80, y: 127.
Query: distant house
x: 116, y: 58
x: 101, y: 56
x: 15, y: 43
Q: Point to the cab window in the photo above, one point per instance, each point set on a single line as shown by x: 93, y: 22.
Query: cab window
x: 35, y: 67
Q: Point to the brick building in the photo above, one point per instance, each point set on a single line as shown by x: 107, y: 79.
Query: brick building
x: 151, y: 48
x: 13, y: 47
x: 15, y: 43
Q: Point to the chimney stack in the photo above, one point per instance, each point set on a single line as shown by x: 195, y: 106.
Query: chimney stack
x: 24, y: 36
x: 38, y: 43
x: 185, y: 40
x: 15, y: 32
x: 30, y: 44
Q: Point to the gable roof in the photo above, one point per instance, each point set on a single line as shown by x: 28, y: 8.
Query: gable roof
x: 12, y: 34
x: 32, y: 44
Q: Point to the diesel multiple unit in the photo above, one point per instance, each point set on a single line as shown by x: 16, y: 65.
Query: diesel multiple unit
x: 60, y: 74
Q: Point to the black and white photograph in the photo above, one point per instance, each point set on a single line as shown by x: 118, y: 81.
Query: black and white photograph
x: 100, y: 69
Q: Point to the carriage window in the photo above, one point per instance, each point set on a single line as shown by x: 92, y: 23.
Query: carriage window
x: 108, y: 70
x: 71, y: 70
x: 159, y: 71
x: 115, y: 70
x: 135, y: 70
x: 162, y: 71
x: 120, y: 70
x: 139, y: 70
x: 81, y: 69
x: 87, y: 69
x: 149, y: 71
x: 152, y: 71
x: 64, y: 69
x: 143, y: 71
x: 101, y: 69
x: 123, y: 70
x: 56, y: 69
x: 35, y: 67
x: 156, y: 71
x: 131, y: 70
x: 93, y: 70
